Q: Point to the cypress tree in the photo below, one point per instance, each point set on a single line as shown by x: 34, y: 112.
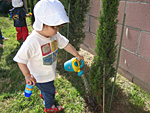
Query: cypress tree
x: 102, y: 68
x: 78, y: 10
x: 30, y: 6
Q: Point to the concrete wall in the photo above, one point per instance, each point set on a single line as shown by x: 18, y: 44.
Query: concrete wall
x: 135, y: 51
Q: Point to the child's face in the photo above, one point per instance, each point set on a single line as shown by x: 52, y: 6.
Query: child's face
x: 49, y: 31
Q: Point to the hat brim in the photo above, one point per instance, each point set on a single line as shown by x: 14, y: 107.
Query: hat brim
x: 53, y: 20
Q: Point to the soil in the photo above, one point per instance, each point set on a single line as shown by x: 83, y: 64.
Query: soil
x: 120, y: 104
x: 92, y: 105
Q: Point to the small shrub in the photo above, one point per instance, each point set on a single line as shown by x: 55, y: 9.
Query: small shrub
x: 102, y: 69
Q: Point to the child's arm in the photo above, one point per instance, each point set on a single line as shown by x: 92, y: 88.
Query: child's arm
x: 69, y: 48
x: 30, y: 14
x: 29, y: 78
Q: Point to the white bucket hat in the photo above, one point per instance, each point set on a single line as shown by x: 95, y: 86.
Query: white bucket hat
x: 17, y: 3
x: 49, y: 12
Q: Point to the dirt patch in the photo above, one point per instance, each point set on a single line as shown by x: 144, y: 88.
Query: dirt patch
x: 121, y: 102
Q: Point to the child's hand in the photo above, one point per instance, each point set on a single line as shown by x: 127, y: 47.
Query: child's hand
x: 79, y: 57
x: 30, y: 14
x: 30, y: 79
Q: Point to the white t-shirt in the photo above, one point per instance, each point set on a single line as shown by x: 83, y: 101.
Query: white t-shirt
x: 40, y: 55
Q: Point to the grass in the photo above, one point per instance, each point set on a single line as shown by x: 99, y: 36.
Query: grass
x: 70, y: 88
x: 70, y: 93
x: 136, y: 99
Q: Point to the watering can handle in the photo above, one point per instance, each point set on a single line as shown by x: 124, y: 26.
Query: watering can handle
x: 82, y: 64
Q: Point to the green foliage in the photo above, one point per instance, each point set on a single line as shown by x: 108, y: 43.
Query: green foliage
x: 30, y: 6
x: 4, y: 7
x: 78, y: 10
x: 136, y: 98
x: 102, y: 65
x: 70, y: 89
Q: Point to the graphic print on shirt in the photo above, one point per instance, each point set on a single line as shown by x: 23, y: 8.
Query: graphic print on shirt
x: 54, y: 45
x: 55, y: 55
x: 16, y: 17
x: 48, y: 60
x: 49, y: 52
x: 46, y: 49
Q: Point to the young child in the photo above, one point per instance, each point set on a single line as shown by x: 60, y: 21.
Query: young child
x: 37, y: 57
x: 19, y: 17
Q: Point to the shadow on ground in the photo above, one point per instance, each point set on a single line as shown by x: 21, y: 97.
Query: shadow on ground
x: 120, y: 104
x: 8, y: 82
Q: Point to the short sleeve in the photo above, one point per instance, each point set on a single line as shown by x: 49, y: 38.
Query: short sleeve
x: 23, y: 55
x: 62, y: 41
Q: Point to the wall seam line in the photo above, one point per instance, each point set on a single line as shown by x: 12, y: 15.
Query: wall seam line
x: 133, y: 76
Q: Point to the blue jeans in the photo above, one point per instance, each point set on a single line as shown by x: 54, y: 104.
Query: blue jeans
x: 48, y: 92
